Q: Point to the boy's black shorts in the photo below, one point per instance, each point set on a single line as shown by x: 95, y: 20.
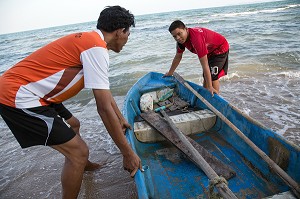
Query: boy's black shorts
x: 218, y: 65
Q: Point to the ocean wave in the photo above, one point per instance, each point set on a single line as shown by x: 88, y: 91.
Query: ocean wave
x: 163, y: 24
x: 235, y: 14
x: 202, y: 21
x: 153, y: 28
x: 197, y: 21
x: 231, y: 76
x: 287, y: 74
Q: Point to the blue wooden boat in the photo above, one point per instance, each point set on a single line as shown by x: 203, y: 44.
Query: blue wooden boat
x: 169, y: 174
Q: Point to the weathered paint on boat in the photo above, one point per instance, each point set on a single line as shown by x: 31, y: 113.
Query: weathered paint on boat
x: 169, y: 174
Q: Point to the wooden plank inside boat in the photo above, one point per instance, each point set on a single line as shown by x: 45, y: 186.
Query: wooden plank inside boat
x: 157, y: 122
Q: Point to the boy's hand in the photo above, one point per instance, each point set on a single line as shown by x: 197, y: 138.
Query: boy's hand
x: 168, y: 74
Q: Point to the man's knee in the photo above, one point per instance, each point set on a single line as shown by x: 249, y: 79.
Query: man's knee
x: 81, y: 153
x: 75, y: 150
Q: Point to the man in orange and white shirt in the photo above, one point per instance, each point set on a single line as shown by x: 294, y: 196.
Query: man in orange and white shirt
x: 31, y: 91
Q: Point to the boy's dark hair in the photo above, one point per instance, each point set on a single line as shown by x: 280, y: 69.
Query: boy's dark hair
x: 115, y: 17
x: 176, y: 24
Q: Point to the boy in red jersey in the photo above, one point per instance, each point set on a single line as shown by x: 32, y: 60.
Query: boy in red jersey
x: 55, y: 73
x: 212, y: 50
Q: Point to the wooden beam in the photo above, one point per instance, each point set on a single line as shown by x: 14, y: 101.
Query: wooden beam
x: 280, y: 172
x: 167, y: 128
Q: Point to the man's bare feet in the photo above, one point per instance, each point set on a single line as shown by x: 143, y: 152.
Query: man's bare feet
x: 91, y: 166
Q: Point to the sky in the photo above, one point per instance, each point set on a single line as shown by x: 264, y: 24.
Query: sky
x: 23, y: 15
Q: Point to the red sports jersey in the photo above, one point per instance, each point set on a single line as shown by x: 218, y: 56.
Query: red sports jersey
x: 203, y: 42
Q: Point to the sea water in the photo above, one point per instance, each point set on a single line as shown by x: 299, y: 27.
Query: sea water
x: 263, y: 81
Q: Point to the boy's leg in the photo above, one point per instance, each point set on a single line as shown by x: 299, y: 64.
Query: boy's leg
x: 218, y: 67
x: 216, y: 85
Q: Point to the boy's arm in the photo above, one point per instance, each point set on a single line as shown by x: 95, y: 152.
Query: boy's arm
x: 174, y: 65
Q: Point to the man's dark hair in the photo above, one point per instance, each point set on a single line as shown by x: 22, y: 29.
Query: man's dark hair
x: 115, y: 17
x: 176, y: 24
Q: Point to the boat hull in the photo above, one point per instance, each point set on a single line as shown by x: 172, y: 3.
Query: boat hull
x: 169, y: 174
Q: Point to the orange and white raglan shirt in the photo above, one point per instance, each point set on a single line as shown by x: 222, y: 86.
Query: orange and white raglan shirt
x: 57, y: 71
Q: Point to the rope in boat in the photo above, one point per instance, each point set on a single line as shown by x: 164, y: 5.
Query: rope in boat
x: 212, y: 184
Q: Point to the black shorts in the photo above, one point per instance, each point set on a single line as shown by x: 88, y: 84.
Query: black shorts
x: 218, y: 65
x: 36, y: 126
